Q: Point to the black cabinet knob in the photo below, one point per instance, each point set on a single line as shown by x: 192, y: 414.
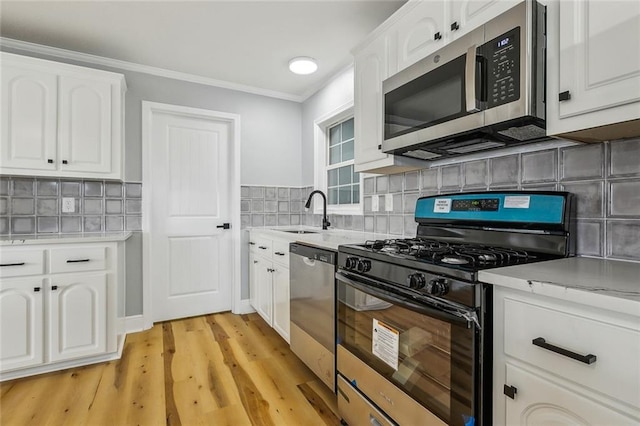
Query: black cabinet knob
x: 50, y: 161
x: 455, y: 26
x: 437, y: 36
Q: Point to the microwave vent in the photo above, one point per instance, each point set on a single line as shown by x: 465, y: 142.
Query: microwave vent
x: 475, y: 147
x: 421, y: 154
x: 524, y: 133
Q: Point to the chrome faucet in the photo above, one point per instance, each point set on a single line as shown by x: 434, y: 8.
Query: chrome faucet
x: 325, y: 222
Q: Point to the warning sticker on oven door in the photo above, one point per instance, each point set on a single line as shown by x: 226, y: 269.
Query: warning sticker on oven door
x: 442, y: 205
x: 385, y: 343
x: 517, y: 202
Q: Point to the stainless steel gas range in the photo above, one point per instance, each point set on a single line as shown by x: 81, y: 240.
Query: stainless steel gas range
x: 413, y: 322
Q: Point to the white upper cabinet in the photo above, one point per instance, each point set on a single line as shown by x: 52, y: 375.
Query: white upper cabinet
x: 60, y: 120
x: 593, y: 68
x: 466, y: 15
x: 420, y: 32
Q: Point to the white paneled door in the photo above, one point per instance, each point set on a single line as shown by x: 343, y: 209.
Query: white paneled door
x: 190, y: 252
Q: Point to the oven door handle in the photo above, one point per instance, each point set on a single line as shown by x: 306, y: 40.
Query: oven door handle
x: 445, y: 313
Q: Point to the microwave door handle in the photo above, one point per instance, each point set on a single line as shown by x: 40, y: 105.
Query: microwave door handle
x: 470, y: 80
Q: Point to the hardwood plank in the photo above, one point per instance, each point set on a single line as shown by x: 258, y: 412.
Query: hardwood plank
x: 321, y: 407
x: 169, y: 349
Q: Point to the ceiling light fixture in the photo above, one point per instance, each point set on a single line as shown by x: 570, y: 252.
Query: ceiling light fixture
x: 303, y: 65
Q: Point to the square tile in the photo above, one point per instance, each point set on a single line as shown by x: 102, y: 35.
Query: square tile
x: 348, y: 222
x: 113, y: 207
x: 22, y: 206
x: 451, y: 177
x: 93, y: 189
x: 283, y: 193
x: 367, y: 204
x: 429, y: 179
x: 114, y: 223
x: 357, y: 223
x: 4, y: 225
x: 398, y: 204
x: 590, y: 238
x: 410, y: 200
x: 295, y: 193
x: 133, y: 223
x: 271, y: 193
x: 270, y: 219
x: 396, y: 183
x: 475, y: 174
x: 4, y: 206
x: 257, y: 220
x: 396, y: 224
x: 23, y: 225
x: 92, y: 206
x: 70, y: 224
x: 245, y: 206
x: 133, y: 206
x: 47, y: 206
x: 369, y: 184
x: 92, y: 224
x: 5, y: 186
x: 410, y: 226
x: 47, y: 224
x: 245, y: 192
x: 382, y: 224
x: 47, y: 188
x: 540, y: 166
x: 23, y: 187
x: 295, y: 219
x: 296, y: 206
x: 70, y: 189
x: 504, y: 170
x: 257, y: 191
x: 623, y: 158
x: 113, y: 190
x: 624, y: 196
x: 245, y: 221
x: 589, y: 198
x: 582, y: 162
x: 622, y: 239
x: 412, y: 181
x: 257, y: 206
x: 283, y: 220
x: 132, y: 190
x: 283, y: 207
x: 369, y: 223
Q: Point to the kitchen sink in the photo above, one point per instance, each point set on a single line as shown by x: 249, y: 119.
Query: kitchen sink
x: 293, y: 231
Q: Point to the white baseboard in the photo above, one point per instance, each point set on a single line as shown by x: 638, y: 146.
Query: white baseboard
x: 135, y: 323
x: 244, y: 307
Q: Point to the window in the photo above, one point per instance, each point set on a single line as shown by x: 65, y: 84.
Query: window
x: 343, y: 184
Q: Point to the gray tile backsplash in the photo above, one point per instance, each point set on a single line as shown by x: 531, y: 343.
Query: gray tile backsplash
x: 33, y: 206
x: 604, y: 177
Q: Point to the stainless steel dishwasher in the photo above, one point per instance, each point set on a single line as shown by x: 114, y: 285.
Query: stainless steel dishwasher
x: 313, y: 309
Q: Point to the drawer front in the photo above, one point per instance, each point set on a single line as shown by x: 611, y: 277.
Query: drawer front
x: 355, y: 409
x: 264, y: 247
x: 78, y: 259
x: 281, y: 252
x: 614, y: 371
x: 21, y: 262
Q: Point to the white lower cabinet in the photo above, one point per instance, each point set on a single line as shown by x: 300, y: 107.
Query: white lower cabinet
x: 269, y: 280
x: 562, y: 363
x: 52, y: 320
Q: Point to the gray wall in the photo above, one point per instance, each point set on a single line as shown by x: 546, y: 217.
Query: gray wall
x: 270, y: 130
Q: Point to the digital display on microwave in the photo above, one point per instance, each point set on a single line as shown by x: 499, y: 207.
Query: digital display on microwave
x: 503, y: 42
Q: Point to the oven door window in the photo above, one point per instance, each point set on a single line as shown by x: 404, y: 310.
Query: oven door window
x: 430, y: 99
x: 434, y: 362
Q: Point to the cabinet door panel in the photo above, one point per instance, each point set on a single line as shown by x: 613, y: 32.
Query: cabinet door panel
x: 85, y: 125
x: 21, y: 339
x: 78, y: 316
x: 470, y: 14
x: 253, y: 278
x: 264, y: 290
x: 542, y: 402
x: 28, y: 118
x: 281, y: 301
x: 417, y: 32
x: 599, y: 55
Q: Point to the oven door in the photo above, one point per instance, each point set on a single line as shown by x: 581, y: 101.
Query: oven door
x: 430, y: 352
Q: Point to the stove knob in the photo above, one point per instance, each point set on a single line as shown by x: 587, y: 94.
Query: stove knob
x: 437, y: 287
x: 351, y: 263
x: 416, y: 281
x: 363, y: 266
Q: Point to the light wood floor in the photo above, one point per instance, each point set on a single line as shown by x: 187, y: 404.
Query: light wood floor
x: 220, y: 369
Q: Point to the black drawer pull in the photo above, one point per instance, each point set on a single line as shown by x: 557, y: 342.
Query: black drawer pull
x: 78, y: 260
x: 279, y: 253
x: 65, y: 162
x: 50, y: 161
x: 262, y: 247
x: 564, y: 96
x: 36, y: 289
x: 437, y: 36
x: 54, y: 287
x: 13, y: 264
x: 251, y: 243
x: 510, y: 391
x: 587, y: 359
x: 455, y: 26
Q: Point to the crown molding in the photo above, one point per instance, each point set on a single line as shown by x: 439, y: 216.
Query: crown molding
x: 145, y: 69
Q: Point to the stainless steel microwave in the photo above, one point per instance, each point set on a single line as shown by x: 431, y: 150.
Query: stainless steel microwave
x: 485, y: 90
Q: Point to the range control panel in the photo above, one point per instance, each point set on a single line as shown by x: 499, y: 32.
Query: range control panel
x: 503, y: 62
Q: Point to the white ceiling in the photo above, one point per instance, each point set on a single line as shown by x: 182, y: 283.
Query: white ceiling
x: 247, y: 43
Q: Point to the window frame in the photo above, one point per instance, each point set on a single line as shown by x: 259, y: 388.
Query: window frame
x: 321, y: 159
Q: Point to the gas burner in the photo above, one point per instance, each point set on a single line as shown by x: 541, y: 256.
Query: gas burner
x: 452, y: 260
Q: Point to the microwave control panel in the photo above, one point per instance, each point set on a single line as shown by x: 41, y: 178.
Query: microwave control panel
x: 502, y: 56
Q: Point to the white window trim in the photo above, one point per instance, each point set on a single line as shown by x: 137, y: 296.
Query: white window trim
x: 320, y: 128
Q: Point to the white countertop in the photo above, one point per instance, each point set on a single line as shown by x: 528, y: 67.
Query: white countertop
x: 605, y: 283
x: 15, y: 240
x: 328, y: 239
